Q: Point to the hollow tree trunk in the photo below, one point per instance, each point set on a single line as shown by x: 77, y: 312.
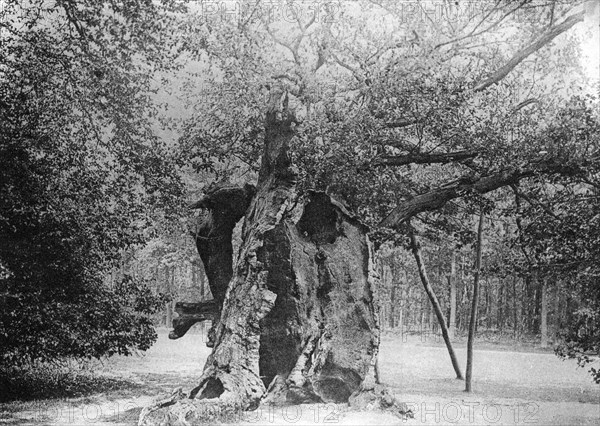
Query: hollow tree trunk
x: 297, y: 316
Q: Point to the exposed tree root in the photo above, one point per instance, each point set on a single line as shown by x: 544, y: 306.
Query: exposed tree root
x: 376, y: 397
x: 194, y: 412
x: 146, y: 414
x: 180, y: 410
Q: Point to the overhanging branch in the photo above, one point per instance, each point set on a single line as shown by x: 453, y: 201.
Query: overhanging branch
x: 522, y: 54
x: 533, y: 202
x: 425, y: 158
x: 517, y: 58
x: 400, y: 124
x: 437, y: 198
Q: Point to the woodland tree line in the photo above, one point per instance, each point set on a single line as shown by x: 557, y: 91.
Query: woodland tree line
x: 511, y: 306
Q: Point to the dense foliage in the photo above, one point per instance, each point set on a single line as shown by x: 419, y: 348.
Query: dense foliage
x: 82, y: 175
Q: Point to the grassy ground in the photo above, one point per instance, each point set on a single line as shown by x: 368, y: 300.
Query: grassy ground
x: 510, y: 387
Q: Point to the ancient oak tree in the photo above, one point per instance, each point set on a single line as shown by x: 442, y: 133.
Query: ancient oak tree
x: 294, y: 319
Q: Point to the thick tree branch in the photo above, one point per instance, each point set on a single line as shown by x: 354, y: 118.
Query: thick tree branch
x: 523, y: 104
x: 293, y: 46
x: 533, y: 202
x: 354, y: 70
x: 70, y: 9
x: 399, y: 124
x: 190, y: 314
x: 519, y: 222
x: 223, y: 206
x: 475, y: 33
x: 252, y: 14
x: 437, y: 198
x: 425, y: 158
x: 517, y: 58
x: 522, y: 54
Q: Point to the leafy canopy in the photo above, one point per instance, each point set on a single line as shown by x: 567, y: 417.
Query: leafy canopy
x: 82, y: 173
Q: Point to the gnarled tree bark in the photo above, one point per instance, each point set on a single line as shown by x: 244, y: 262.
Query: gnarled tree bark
x: 298, y: 320
x: 222, y: 207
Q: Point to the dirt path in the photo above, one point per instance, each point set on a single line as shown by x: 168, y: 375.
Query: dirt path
x: 509, y: 388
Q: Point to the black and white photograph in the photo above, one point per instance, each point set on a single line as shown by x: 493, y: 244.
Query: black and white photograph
x: 299, y: 212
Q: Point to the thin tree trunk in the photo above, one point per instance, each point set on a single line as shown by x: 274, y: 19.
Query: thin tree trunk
x: 416, y: 249
x: 410, y: 311
x: 488, y: 298
x: 544, y: 313
x: 557, y: 310
x: 464, y: 312
x: 525, y: 309
x: 121, y: 270
x: 423, y: 324
x: 401, y: 318
x: 201, y: 276
x: 537, y: 297
x: 531, y: 303
x: 193, y: 275
x: 169, y: 304
x: 393, y: 306
x: 403, y: 302
x: 475, y: 300
x: 501, y: 306
x: 452, y: 285
x: 515, y: 309
x: 432, y: 320
x: 169, y: 314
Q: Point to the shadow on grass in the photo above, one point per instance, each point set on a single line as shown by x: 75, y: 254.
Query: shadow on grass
x: 44, y: 383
